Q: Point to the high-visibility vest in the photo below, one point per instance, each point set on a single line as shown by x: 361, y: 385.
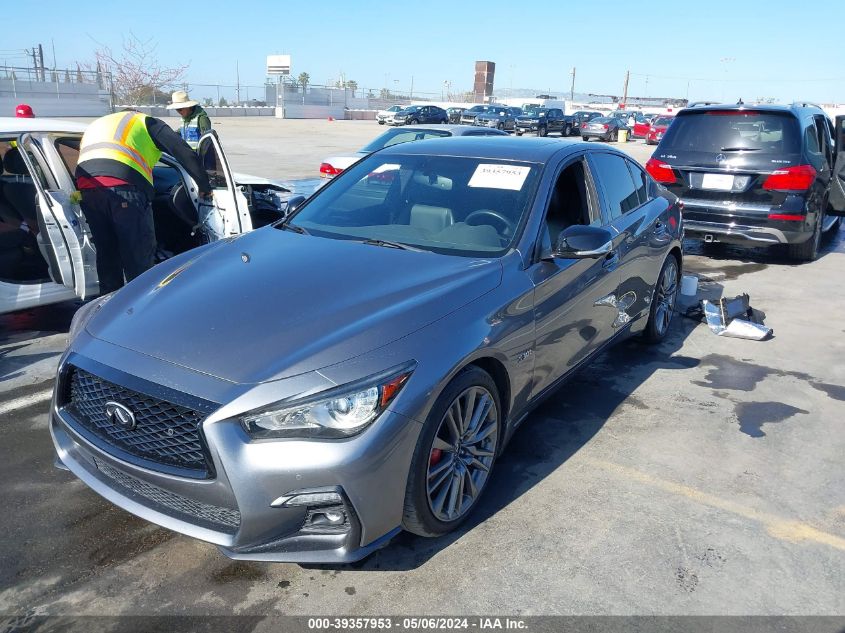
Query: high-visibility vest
x: 123, y: 137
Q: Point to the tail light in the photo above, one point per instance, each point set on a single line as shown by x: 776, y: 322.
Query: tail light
x: 660, y: 171
x: 799, y: 178
x: 787, y: 217
x: 605, y: 126
x: 327, y: 171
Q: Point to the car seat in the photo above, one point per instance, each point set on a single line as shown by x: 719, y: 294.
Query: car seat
x: 430, y: 218
x: 18, y: 190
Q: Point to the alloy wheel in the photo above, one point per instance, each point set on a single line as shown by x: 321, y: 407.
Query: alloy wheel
x: 667, y: 292
x: 462, y: 454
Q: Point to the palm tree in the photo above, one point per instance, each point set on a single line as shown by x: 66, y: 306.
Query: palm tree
x: 303, y: 80
x: 353, y: 86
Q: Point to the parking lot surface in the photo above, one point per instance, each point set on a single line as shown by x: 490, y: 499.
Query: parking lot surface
x: 703, y: 476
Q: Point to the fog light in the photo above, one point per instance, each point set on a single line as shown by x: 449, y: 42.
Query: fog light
x: 326, y: 520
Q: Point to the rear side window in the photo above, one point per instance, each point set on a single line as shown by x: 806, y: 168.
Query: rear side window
x: 614, y: 177
x: 718, y: 131
x: 640, y: 182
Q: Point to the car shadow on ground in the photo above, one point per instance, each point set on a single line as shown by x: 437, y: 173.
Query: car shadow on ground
x: 553, y: 433
x: 26, y: 325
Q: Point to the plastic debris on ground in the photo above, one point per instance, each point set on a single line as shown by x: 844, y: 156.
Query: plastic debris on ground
x: 732, y: 317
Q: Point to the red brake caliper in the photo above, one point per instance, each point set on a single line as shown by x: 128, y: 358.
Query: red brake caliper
x: 434, y: 458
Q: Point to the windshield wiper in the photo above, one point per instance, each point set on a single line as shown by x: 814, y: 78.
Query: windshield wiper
x: 389, y: 244
x: 293, y: 227
x: 740, y: 149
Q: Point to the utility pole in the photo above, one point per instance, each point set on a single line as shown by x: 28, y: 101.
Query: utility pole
x: 572, y: 87
x: 411, y: 96
x: 238, y: 82
x: 41, y: 63
x: 625, y: 89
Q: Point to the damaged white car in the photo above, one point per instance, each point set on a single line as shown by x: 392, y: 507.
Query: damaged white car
x: 46, y: 251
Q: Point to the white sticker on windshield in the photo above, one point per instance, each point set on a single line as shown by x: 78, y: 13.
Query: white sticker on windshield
x: 510, y: 177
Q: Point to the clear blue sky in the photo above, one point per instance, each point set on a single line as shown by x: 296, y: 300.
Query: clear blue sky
x: 713, y: 49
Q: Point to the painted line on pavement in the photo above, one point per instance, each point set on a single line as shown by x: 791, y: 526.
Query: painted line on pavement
x: 26, y: 401
x: 776, y: 526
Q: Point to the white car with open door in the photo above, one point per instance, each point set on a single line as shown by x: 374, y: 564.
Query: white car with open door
x: 46, y: 251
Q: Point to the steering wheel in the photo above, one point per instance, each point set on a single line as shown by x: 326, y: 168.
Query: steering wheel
x: 507, y: 226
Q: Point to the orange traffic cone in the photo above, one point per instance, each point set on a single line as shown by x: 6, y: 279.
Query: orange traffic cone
x: 331, y: 118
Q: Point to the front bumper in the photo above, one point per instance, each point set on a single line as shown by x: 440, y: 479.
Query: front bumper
x: 232, y: 507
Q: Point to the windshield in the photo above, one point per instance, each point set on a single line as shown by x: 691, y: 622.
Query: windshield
x: 477, y: 109
x: 445, y: 204
x: 663, y: 120
x: 534, y: 111
x: 401, y: 135
x: 717, y: 131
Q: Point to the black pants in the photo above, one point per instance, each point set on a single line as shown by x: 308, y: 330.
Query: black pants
x: 121, y: 221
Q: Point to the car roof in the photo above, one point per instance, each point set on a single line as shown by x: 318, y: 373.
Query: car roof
x: 455, y: 129
x: 17, y: 125
x: 535, y: 150
x: 794, y: 108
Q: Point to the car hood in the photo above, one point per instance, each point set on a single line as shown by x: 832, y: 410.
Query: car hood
x: 272, y: 303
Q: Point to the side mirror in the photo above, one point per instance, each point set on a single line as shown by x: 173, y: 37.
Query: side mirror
x: 294, y: 203
x: 584, y: 242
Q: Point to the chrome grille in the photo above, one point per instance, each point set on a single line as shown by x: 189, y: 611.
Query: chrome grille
x: 164, y: 433
x: 197, y: 512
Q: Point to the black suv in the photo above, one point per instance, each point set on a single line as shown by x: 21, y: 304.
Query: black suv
x: 542, y: 121
x: 755, y: 175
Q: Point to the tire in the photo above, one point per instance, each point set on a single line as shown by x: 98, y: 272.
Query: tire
x: 413, y: 122
x: 541, y: 131
x: 500, y: 126
x: 444, y: 121
x: 614, y: 137
x: 585, y: 138
x: 567, y: 130
x: 421, y: 513
x: 808, y: 250
x: 518, y: 133
x: 381, y: 122
x: 663, y: 304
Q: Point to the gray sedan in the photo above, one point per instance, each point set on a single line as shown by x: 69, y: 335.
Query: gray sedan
x: 603, y: 128
x: 306, y: 391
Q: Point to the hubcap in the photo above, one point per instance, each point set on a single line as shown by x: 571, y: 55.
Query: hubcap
x: 667, y: 291
x: 462, y: 454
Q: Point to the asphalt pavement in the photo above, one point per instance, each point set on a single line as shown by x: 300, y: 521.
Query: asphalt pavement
x: 703, y: 476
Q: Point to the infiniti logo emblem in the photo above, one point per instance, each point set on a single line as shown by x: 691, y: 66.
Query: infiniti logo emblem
x: 120, y: 415
x: 720, y: 158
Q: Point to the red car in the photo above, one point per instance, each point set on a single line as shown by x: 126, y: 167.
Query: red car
x: 642, y: 125
x: 658, y: 129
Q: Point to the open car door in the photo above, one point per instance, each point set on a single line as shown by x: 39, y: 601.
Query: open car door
x: 231, y: 210
x: 59, y: 229
x: 837, y: 180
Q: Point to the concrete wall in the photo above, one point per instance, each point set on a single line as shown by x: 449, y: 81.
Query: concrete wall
x: 299, y: 111
x: 53, y: 99
x: 214, y: 113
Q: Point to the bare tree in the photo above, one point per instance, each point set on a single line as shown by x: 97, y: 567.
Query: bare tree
x: 137, y: 74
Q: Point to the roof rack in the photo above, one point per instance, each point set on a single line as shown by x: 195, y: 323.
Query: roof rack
x: 806, y: 104
x: 697, y: 104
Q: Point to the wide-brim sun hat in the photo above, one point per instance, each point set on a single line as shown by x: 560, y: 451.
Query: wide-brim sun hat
x: 180, y: 99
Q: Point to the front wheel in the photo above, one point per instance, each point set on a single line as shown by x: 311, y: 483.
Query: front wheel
x: 567, y: 131
x: 663, y: 304
x: 585, y: 138
x: 413, y: 122
x: 381, y: 122
x: 541, y: 131
x: 615, y: 136
x: 518, y: 133
x: 454, y: 456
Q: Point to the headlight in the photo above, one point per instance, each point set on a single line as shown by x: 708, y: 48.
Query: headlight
x: 340, y: 412
x: 84, y: 314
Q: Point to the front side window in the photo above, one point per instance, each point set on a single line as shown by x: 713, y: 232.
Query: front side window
x: 451, y: 205
x: 614, y: 178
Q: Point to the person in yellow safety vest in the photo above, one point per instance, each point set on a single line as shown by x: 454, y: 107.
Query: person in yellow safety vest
x: 114, y: 175
x: 195, y: 121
